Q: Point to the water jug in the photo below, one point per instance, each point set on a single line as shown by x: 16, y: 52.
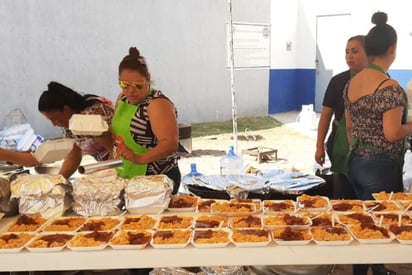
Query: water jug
x: 307, y: 117
x: 193, y: 173
x: 407, y: 171
x: 231, y: 163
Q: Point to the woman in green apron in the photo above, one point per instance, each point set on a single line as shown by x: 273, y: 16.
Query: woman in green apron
x: 144, y: 125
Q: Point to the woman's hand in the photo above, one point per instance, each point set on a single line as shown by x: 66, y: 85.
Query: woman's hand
x: 123, y: 151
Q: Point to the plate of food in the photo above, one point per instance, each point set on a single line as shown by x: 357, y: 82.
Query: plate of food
x: 175, y: 222
x: 250, y: 237
x: 87, y: 241
x: 208, y: 238
x: 247, y: 221
x: 131, y: 239
x: 397, y: 196
x: 64, y: 224
x: 14, y: 242
x: 312, y: 203
x: 346, y: 205
x: 182, y: 203
x: 49, y: 242
x: 331, y: 235
x: 138, y: 222
x: 402, y: 233
x: 381, y: 206
x: 355, y: 218
x: 291, y: 236
x: 177, y: 238
x: 233, y: 209
x: 276, y: 206
x: 101, y: 224
x: 396, y: 217
x: 286, y: 219
x: 371, y: 234
x: 27, y: 223
x: 257, y: 202
x: 210, y: 221
x: 319, y: 218
x: 204, y: 205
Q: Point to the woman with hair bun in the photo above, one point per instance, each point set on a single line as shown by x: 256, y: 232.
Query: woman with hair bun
x: 144, y: 126
x: 375, y: 109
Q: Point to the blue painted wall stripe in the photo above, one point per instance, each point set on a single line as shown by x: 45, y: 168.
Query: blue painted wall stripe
x: 289, y: 89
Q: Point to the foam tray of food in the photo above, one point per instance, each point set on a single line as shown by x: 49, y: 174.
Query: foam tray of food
x: 208, y: 238
x: 131, y: 239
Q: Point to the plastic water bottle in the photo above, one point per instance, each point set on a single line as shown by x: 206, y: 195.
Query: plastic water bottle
x: 231, y: 164
x: 193, y: 173
x: 407, y: 171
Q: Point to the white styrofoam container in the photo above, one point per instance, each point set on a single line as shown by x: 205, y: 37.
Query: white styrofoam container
x: 88, y: 125
x: 53, y: 150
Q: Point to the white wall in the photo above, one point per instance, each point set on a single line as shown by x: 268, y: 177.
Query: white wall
x: 80, y: 44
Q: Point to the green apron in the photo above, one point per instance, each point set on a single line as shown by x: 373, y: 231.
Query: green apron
x: 121, y: 122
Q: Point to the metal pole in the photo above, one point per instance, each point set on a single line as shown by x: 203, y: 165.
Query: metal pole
x: 232, y: 74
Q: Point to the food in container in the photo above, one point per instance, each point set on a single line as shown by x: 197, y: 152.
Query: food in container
x: 64, y: 224
x: 210, y: 221
x: 276, y: 206
x: 87, y: 125
x: 381, y: 206
x: 291, y: 236
x: 405, y: 205
x: 319, y: 218
x: 171, y: 238
x: 204, y: 206
x: 138, y: 222
x: 250, y: 237
x: 347, y: 205
x: 25, y: 223
x: 131, y: 239
x: 14, y: 242
x: 312, y: 203
x: 49, y: 242
x: 398, y: 218
x: 100, y: 224
x: 229, y: 208
x: 247, y: 221
x: 257, y: 202
x: 381, y: 196
x: 331, y: 235
x: 355, y: 218
x: 175, y: 222
x: 286, y: 219
x: 183, y: 203
x: 211, y: 238
x: 403, y: 233
x: 371, y: 233
x: 95, y: 240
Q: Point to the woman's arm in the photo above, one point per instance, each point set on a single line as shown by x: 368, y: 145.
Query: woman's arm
x: 19, y: 158
x: 323, y: 127
x: 393, y: 129
x: 71, y: 162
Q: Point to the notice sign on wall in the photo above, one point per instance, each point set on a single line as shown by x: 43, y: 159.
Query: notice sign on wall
x: 251, y: 45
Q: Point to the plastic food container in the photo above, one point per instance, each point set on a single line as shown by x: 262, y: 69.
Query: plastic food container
x: 53, y: 150
x: 88, y: 125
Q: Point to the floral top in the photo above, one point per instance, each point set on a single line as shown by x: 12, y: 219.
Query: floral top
x: 88, y: 144
x: 366, y: 114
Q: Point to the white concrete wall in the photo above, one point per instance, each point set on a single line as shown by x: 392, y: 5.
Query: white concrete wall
x: 80, y: 44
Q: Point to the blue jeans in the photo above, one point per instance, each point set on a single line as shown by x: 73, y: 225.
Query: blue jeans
x: 373, y: 174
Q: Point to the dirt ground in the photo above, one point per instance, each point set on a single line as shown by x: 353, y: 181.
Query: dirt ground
x: 295, y: 152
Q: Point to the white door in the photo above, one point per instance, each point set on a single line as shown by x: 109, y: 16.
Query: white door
x: 332, y: 33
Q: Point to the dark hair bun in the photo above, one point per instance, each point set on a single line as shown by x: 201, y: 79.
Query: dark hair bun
x: 133, y: 51
x: 379, y: 18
